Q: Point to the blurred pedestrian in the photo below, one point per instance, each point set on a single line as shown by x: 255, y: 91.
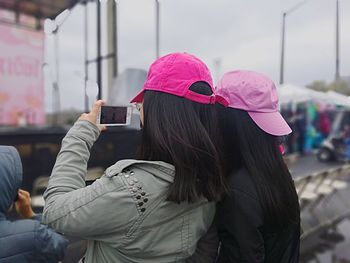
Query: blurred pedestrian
x: 291, y: 121
x: 344, y: 142
x: 26, y: 240
x: 154, y: 209
x: 259, y: 219
x: 21, y: 120
x: 325, y: 124
x: 301, y: 128
x: 311, y: 137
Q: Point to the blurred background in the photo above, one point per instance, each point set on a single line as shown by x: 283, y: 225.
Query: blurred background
x: 58, y: 56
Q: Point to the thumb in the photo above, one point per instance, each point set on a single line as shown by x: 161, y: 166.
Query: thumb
x: 97, y: 106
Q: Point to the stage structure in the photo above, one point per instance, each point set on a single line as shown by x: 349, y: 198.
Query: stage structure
x: 34, y: 10
x: 22, y: 57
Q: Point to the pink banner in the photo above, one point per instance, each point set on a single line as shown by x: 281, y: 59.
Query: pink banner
x: 21, y: 78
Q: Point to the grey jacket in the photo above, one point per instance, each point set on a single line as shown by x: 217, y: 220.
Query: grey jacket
x: 124, y: 215
x: 23, y: 241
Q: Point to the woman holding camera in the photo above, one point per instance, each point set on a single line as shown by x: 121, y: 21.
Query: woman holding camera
x: 156, y: 208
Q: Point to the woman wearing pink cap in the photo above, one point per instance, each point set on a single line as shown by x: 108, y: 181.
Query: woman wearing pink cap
x: 259, y: 219
x: 156, y: 208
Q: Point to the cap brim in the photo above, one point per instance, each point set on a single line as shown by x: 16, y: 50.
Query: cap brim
x: 139, y: 97
x: 271, y: 122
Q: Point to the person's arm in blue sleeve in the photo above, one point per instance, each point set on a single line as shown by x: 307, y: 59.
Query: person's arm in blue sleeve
x: 50, y: 246
x: 38, y: 217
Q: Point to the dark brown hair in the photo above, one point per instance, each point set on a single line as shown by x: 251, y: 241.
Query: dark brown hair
x: 247, y: 146
x: 183, y: 133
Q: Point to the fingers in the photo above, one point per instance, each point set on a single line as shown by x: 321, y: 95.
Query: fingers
x: 92, y: 116
x: 23, y: 204
x: 102, y: 127
x: 23, y: 194
x: 95, y: 111
x: 97, y: 106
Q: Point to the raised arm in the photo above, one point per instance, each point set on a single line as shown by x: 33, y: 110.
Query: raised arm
x: 70, y: 207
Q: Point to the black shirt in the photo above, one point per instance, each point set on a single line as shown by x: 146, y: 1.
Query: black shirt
x: 243, y: 234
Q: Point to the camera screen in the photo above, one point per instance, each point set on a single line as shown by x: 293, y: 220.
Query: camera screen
x: 113, y: 115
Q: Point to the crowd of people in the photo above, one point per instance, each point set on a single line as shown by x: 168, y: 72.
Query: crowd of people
x: 311, y: 125
x: 209, y: 183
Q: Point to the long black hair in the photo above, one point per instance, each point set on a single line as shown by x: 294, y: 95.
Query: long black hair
x: 247, y: 146
x: 182, y: 132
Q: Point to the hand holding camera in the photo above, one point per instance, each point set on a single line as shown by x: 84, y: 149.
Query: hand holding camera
x: 93, y: 115
x: 103, y: 116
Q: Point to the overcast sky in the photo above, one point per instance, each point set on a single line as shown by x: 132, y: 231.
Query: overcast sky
x: 243, y: 34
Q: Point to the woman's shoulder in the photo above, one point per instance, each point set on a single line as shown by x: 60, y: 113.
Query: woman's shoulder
x: 140, y: 174
x: 241, y: 181
x: 128, y: 164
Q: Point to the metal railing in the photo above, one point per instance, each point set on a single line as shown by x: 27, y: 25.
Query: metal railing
x: 323, y: 203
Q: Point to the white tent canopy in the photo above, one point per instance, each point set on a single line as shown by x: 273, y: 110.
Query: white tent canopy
x: 298, y: 94
x: 338, y: 99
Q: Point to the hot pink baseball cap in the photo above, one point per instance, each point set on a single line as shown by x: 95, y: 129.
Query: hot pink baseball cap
x: 256, y: 94
x: 174, y: 74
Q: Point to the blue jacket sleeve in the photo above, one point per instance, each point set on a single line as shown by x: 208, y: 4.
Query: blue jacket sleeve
x: 50, y: 246
x: 38, y: 217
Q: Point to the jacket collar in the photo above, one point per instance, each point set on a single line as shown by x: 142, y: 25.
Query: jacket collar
x: 160, y: 169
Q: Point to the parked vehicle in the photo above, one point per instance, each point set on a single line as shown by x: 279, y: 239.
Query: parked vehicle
x: 335, y: 147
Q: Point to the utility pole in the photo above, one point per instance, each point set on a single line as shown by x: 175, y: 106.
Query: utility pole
x: 337, y: 60
x: 282, y: 48
x: 99, y: 58
x: 157, y: 28
x: 110, y: 73
x: 58, y: 22
x: 283, y: 35
x: 217, y: 67
x: 56, y: 85
x: 115, y: 37
x: 86, y: 65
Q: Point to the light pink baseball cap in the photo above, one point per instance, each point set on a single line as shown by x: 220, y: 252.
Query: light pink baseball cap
x: 174, y: 74
x: 256, y: 94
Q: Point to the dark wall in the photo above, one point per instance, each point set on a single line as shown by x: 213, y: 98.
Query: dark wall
x: 39, y: 148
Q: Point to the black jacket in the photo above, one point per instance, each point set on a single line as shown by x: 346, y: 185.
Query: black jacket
x: 243, y: 234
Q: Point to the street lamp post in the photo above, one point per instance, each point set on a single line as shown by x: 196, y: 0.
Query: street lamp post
x: 282, y: 48
x: 337, y: 60
x: 115, y: 38
x: 56, y: 97
x: 57, y: 22
x: 99, y: 58
x: 86, y: 66
x: 284, y: 15
x: 157, y: 28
